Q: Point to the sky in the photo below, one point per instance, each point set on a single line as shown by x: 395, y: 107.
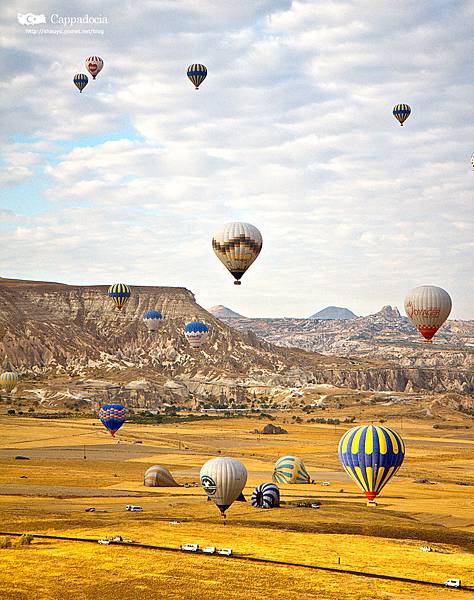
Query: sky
x: 292, y: 131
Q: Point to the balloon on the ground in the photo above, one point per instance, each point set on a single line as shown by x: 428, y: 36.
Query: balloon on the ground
x: 371, y: 455
x: 290, y: 469
x: 120, y: 293
x: 152, y: 320
x: 94, y: 65
x: 266, y: 495
x: 223, y: 480
x: 158, y: 476
x: 8, y: 380
x: 428, y: 307
x: 237, y: 245
x: 197, y: 74
x: 401, y: 112
x: 113, y: 416
x: 196, y: 333
x: 80, y: 81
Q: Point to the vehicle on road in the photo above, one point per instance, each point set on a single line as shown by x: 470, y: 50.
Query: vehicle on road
x: 134, y: 508
x: 225, y: 552
x: 103, y: 542
x: 209, y: 550
x: 90, y: 509
x: 453, y: 583
x: 325, y: 483
x: 190, y: 547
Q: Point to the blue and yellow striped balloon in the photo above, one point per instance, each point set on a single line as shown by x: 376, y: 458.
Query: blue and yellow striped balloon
x: 290, y: 469
x: 371, y: 455
x: 120, y: 293
x: 401, y: 112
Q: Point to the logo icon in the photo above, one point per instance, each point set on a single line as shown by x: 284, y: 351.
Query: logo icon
x: 209, y: 485
x: 30, y: 19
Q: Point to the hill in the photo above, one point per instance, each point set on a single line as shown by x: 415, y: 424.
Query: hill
x: 220, y: 312
x: 333, y: 312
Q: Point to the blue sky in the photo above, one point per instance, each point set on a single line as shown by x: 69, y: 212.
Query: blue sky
x: 292, y: 131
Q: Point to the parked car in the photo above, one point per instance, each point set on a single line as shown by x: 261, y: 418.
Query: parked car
x: 103, y: 541
x: 90, y: 509
x: 209, y: 550
x: 134, y: 508
x: 315, y: 505
x: 453, y: 583
x: 190, y: 547
x: 225, y: 551
x: 325, y: 483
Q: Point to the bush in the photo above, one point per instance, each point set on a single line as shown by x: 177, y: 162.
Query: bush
x: 25, y: 539
x: 5, y: 543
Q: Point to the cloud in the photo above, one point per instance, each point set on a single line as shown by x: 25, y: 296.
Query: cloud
x: 291, y: 131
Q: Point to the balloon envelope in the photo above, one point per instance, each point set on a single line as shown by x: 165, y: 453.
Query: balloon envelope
x: 237, y: 246
x: 113, y: 416
x: 196, y: 333
x: 80, y: 81
x: 152, y: 319
x: 428, y: 307
x: 223, y: 480
x: 94, y: 65
x: 197, y: 74
x: 290, y: 469
x: 371, y: 455
x: 266, y: 495
x: 120, y: 293
x: 8, y: 380
x: 401, y: 112
x: 158, y: 476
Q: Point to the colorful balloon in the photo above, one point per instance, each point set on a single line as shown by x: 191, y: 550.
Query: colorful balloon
x: 113, y: 416
x: 266, y: 495
x: 401, y: 112
x: 290, y: 469
x: 158, y: 476
x: 120, y: 293
x: 152, y: 320
x: 428, y: 307
x: 80, y: 81
x: 8, y: 380
x: 223, y: 480
x: 197, y: 74
x: 196, y: 333
x: 237, y: 246
x: 94, y: 65
x: 371, y: 455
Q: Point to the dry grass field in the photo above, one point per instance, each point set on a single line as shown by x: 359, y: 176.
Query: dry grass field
x: 49, y: 493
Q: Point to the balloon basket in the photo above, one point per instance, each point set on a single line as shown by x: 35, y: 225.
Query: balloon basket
x: 371, y: 504
x: 237, y: 283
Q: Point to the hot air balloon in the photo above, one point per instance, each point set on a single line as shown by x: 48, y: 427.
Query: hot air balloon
x: 113, y: 416
x: 290, y: 469
x: 120, y: 293
x: 158, y: 476
x: 237, y: 245
x: 94, y: 65
x: 8, y: 380
x: 428, y: 307
x: 197, y: 74
x: 152, y: 319
x: 80, y: 81
x: 266, y: 495
x: 371, y: 455
x: 223, y: 480
x: 401, y: 112
x: 196, y: 333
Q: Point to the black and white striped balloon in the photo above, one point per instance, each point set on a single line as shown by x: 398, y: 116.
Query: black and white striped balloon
x: 266, y: 495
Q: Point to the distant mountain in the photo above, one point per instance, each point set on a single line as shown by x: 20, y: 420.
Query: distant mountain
x: 333, y: 312
x: 222, y: 312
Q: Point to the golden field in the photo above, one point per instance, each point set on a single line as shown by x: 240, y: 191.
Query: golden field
x: 60, y: 484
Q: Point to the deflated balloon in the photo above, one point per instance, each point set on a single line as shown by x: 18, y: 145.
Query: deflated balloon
x: 120, y: 293
x: 196, y: 333
x: 197, y: 74
x: 428, y: 307
x: 290, y: 469
x: 158, y: 476
x: 266, y: 495
x: 237, y: 246
x: 8, y: 380
x: 80, y: 81
x: 401, y: 112
x: 152, y: 320
x: 94, y: 65
x: 113, y: 416
x: 223, y: 480
x: 371, y: 455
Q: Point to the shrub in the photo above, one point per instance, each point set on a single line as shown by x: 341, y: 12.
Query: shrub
x: 5, y: 543
x: 25, y: 539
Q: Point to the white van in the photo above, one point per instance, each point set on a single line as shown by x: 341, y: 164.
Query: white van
x: 190, y: 547
x: 453, y: 583
x: 134, y: 508
x: 225, y: 552
x: 209, y: 550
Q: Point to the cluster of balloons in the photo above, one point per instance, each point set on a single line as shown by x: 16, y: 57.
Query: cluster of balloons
x: 94, y: 64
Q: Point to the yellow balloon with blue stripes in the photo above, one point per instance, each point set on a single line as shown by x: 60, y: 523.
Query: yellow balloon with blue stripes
x: 120, y: 293
x: 371, y: 455
x: 290, y: 469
